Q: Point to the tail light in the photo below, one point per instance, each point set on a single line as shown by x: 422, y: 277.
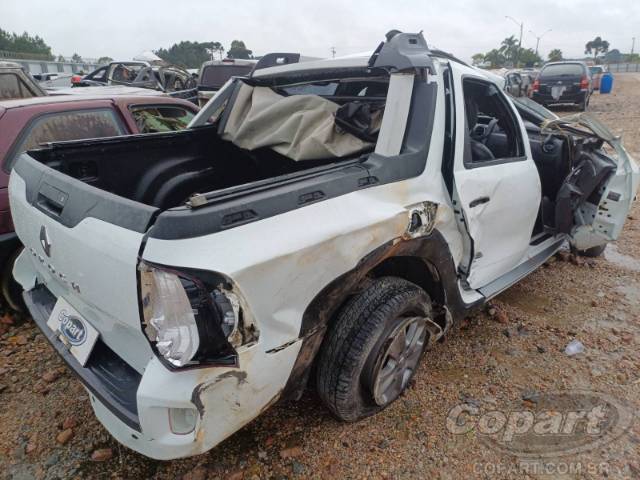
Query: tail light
x: 584, y: 83
x: 536, y: 85
x: 191, y: 321
x: 76, y: 79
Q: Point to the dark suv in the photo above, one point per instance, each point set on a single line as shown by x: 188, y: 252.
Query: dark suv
x: 563, y: 82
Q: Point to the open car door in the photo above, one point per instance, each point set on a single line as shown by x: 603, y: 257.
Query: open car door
x: 595, y: 198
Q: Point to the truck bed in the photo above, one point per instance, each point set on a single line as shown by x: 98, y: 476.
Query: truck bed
x: 164, y: 170
x: 141, y: 181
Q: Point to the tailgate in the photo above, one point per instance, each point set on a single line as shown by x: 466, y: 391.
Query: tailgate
x: 83, y: 244
x: 567, y: 84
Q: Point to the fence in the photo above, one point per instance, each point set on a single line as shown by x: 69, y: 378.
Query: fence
x: 36, y: 63
x: 6, y: 55
x: 623, y: 67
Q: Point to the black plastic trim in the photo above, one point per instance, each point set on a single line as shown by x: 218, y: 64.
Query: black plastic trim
x: 271, y: 60
x: 505, y: 281
x: 109, y: 378
x: 82, y: 200
x: 231, y: 211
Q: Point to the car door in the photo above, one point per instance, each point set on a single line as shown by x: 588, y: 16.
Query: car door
x: 497, y: 186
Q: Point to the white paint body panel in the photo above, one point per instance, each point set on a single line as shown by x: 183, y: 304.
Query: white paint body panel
x: 101, y: 258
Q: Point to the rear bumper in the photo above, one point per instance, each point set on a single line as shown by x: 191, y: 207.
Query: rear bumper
x: 136, y: 408
x: 109, y: 378
x: 547, y: 99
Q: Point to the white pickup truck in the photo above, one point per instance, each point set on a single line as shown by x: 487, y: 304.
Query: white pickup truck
x: 333, y: 217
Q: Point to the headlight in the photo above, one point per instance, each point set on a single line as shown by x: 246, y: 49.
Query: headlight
x: 188, y: 322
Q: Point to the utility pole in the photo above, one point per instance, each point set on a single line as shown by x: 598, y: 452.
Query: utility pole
x: 538, y: 38
x: 333, y: 52
x: 521, y: 25
x: 633, y: 44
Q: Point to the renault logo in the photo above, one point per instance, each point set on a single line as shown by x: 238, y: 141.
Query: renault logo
x: 44, y: 241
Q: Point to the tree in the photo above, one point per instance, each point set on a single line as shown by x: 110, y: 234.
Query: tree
x: 597, y: 46
x: 216, y: 47
x: 495, y: 57
x: 189, y: 54
x: 509, y: 48
x: 75, y: 58
x: 528, y: 57
x: 477, y: 59
x: 238, y: 50
x: 104, y: 60
x: 25, y: 44
x: 555, y: 55
x: 61, y: 59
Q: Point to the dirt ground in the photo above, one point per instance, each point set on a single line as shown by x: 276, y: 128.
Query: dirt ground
x: 48, y: 430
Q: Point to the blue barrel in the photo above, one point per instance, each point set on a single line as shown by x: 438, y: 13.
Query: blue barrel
x: 606, y: 83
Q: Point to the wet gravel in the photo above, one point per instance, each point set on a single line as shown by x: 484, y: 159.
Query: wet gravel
x: 513, y: 353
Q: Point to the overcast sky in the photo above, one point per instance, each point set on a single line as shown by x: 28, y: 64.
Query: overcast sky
x: 122, y: 29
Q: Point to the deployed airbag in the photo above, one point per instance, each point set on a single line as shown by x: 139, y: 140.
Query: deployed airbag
x: 301, y: 127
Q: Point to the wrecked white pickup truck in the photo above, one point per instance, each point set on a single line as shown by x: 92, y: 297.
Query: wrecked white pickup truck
x: 334, y: 217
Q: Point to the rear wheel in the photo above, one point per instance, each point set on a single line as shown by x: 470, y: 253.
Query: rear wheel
x: 584, y: 104
x: 374, y: 348
x: 11, y: 291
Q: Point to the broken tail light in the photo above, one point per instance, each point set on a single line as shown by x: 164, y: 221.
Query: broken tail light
x: 188, y: 321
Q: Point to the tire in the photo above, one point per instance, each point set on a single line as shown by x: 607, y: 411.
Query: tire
x: 11, y: 290
x: 592, y: 252
x: 584, y: 104
x: 356, y: 355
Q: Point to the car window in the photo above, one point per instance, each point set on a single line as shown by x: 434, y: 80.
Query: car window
x: 492, y: 126
x: 99, y: 75
x: 76, y: 125
x: 150, y: 119
x: 124, y: 72
x: 11, y: 86
x: 214, y: 76
x: 562, y: 69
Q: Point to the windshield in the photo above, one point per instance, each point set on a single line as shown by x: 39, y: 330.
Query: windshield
x: 525, y: 103
x: 562, y: 69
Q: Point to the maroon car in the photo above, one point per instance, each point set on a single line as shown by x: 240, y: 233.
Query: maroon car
x: 27, y: 123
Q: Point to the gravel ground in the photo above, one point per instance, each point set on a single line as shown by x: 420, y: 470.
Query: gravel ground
x: 497, y: 358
